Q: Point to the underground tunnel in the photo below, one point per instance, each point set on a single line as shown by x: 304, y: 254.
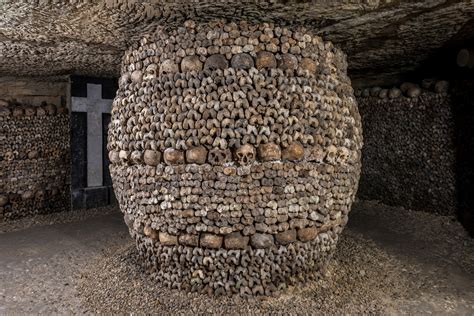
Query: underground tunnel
x: 248, y: 157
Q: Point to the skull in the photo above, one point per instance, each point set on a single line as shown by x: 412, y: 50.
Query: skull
x: 288, y: 61
x: 219, y: 156
x: 265, y: 60
x: 32, y: 154
x: 245, y: 154
x: 309, y: 65
x: 342, y: 155
x: 136, y: 156
x: 316, y: 153
x: 191, y: 63
x: 173, y: 156
x: 3, y: 200
x: 9, y: 156
x: 152, y: 157
x: 114, y: 156
x: 136, y: 76
x: 293, y: 152
x: 168, y: 67
x: 17, y: 112
x: 196, y: 155
x: 331, y: 155
x: 30, y: 111
x: 151, y: 72
x: 123, y: 155
x: 125, y: 79
x: 51, y: 109
x: 242, y: 61
x: 216, y: 61
x: 269, y: 152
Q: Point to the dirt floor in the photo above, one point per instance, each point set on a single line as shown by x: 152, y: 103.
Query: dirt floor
x: 389, y: 261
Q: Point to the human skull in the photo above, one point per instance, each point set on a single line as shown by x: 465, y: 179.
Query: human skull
x: 168, y: 66
x: 245, y: 154
x: 196, y: 155
x: 216, y: 61
x: 219, y: 156
x: 242, y: 61
x: 123, y: 155
x: 114, y: 156
x: 51, y: 109
x: 136, y: 156
x: 316, y: 153
x: 152, y: 157
x: 265, y: 60
x: 191, y: 63
x: 342, y: 155
x: 3, y: 200
x: 294, y: 152
x: 151, y: 72
x: 269, y: 152
x: 136, y: 76
x: 173, y: 156
x: 125, y: 79
x: 30, y: 111
x: 331, y: 155
x: 9, y: 156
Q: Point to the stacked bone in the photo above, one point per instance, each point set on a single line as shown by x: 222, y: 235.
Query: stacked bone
x: 406, y: 89
x: 409, y: 154
x: 235, y: 153
x: 34, y: 159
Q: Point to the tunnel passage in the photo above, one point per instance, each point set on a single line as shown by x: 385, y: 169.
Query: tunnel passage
x: 235, y: 152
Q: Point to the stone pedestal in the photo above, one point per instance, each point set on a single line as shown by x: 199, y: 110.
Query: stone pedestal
x: 235, y: 153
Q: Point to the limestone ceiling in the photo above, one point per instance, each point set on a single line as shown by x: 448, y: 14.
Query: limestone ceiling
x: 382, y: 38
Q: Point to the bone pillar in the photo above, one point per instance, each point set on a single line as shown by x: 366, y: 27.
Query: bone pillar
x: 235, y: 154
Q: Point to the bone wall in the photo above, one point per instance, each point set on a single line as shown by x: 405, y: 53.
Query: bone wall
x: 34, y: 149
x: 235, y: 153
x: 409, y: 154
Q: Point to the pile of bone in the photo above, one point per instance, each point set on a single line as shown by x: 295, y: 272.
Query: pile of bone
x: 406, y: 89
x: 409, y: 156
x: 34, y: 159
x: 234, y: 138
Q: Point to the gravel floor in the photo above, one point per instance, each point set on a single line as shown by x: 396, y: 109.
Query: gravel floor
x: 389, y: 261
x: 360, y: 279
x: 385, y: 263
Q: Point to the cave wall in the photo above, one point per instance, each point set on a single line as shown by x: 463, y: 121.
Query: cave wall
x: 409, y: 153
x: 34, y: 147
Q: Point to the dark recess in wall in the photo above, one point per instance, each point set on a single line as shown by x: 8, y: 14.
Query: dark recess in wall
x: 463, y: 108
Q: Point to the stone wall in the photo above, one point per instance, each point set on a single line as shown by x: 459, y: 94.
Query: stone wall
x: 409, y: 155
x: 34, y: 148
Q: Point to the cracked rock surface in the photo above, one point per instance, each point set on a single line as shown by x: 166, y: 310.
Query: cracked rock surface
x: 89, y: 37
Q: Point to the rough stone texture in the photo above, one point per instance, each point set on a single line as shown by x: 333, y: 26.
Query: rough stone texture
x: 409, y: 151
x: 34, y: 160
x: 238, y: 186
x: 381, y: 38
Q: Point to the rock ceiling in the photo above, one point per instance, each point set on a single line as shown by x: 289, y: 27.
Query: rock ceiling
x: 382, y: 38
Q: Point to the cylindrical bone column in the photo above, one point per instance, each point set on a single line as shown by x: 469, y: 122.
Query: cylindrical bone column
x: 235, y: 154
